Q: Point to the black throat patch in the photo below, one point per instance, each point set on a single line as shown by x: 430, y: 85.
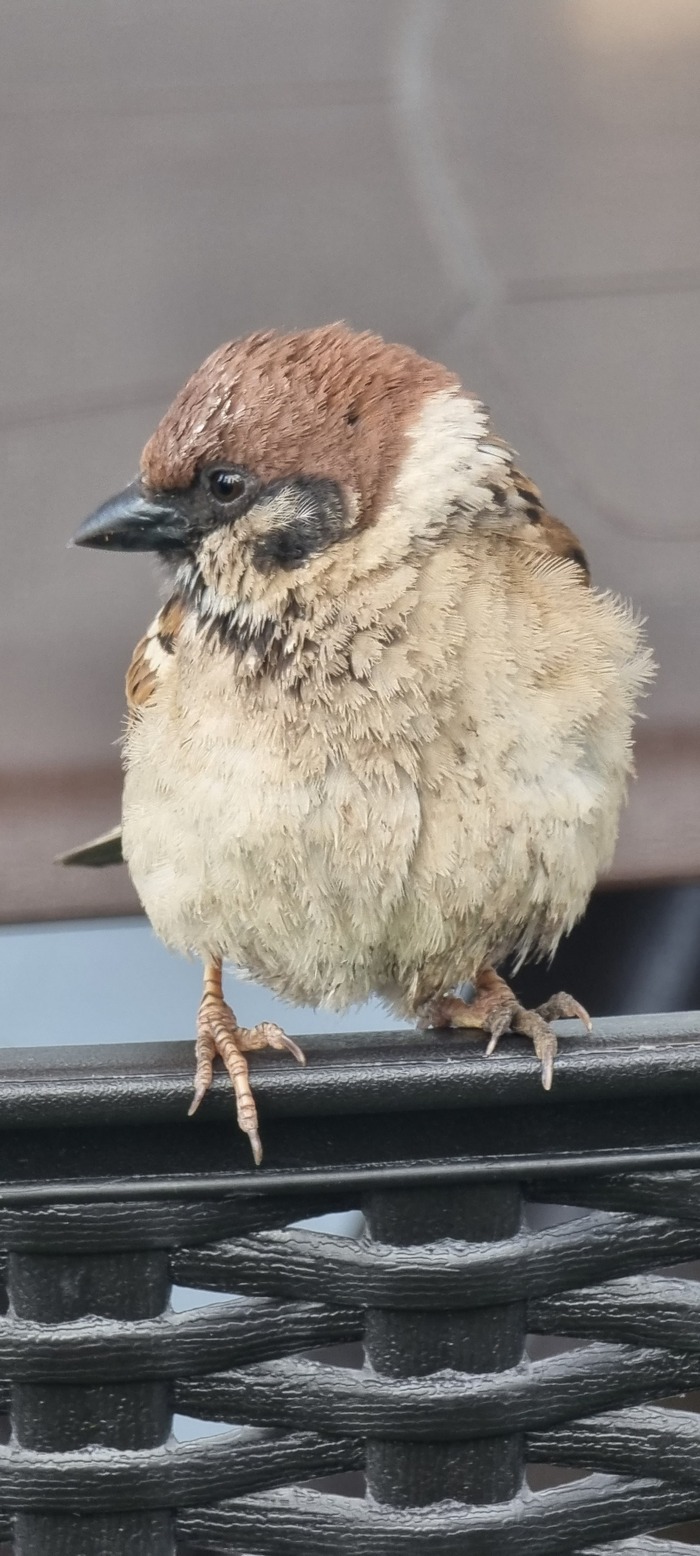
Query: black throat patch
x: 276, y: 646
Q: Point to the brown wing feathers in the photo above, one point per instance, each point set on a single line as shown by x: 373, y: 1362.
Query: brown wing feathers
x: 548, y: 534
x: 150, y: 653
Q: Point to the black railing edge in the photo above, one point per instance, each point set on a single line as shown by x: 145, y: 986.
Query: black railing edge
x: 378, y: 1072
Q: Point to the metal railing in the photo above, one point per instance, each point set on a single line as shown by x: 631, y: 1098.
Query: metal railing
x: 108, y: 1193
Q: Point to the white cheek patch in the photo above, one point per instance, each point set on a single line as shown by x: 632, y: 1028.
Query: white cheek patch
x: 451, y: 458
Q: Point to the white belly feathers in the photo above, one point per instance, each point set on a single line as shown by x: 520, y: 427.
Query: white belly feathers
x: 293, y: 879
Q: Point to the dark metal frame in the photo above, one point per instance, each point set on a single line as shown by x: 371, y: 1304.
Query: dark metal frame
x: 108, y: 1193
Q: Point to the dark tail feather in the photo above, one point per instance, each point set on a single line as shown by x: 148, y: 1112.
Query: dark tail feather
x: 101, y: 851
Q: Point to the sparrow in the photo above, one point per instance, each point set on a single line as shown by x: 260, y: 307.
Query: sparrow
x: 380, y: 731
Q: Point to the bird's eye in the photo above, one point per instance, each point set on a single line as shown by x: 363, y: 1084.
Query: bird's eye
x: 226, y: 485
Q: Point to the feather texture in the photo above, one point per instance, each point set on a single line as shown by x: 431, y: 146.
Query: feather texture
x: 376, y: 771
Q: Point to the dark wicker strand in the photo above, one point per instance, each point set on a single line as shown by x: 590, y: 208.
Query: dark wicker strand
x: 551, y: 1523
x: 303, y: 1395
x: 646, y: 1310
x: 645, y: 1193
x: 637, y: 1547
x: 125, y: 1224
x: 175, y: 1476
x: 449, y: 1274
x: 626, y: 1442
x: 177, y: 1345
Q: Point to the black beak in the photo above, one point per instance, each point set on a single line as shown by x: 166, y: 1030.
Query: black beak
x: 135, y: 521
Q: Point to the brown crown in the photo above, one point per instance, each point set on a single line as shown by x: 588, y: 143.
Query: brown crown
x: 323, y: 402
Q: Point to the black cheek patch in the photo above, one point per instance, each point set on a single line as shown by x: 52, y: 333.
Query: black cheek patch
x: 317, y: 520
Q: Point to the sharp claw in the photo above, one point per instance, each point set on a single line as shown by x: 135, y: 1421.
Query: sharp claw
x: 199, y: 1095
x: 495, y: 1010
x: 255, y: 1146
x: 562, y: 1007
x: 294, y: 1049
x: 579, y: 1013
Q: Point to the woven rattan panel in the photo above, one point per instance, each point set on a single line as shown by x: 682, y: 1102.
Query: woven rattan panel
x: 442, y: 1289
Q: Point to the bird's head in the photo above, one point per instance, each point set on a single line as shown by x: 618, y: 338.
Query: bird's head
x: 283, y: 454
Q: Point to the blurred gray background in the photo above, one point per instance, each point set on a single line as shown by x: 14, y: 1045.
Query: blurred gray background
x: 510, y: 186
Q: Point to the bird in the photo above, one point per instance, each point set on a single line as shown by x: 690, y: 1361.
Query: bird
x: 379, y: 732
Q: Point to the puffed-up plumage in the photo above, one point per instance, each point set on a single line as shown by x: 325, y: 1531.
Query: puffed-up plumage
x: 380, y: 732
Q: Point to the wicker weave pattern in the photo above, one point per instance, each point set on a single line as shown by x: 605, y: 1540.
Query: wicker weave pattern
x: 443, y: 1417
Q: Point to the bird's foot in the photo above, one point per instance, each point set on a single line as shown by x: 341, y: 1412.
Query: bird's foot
x: 495, y: 1010
x: 218, y: 1032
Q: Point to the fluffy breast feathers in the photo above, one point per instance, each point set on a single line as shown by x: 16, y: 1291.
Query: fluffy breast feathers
x: 401, y: 759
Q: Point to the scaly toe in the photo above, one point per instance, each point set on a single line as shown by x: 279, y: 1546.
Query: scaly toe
x: 268, y: 1035
x: 495, y: 1010
x: 447, y: 1012
x: 529, y: 1023
x: 233, y: 1043
x: 563, y: 1007
x: 441, y: 1013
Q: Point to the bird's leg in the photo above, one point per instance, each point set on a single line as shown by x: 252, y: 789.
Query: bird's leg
x: 218, y: 1032
x: 495, y: 1009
